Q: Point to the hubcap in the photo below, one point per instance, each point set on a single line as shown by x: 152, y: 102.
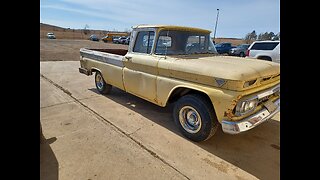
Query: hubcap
x: 99, y: 81
x: 190, y: 119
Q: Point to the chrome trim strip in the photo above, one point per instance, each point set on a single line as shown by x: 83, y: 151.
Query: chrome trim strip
x: 108, y: 58
x: 268, y: 92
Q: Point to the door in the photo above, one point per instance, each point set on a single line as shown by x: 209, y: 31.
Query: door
x: 140, y: 70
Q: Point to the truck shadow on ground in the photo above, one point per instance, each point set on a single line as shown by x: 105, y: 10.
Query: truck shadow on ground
x: 256, y: 151
x: 49, y: 166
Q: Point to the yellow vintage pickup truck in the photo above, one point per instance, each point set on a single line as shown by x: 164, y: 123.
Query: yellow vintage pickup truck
x: 172, y: 64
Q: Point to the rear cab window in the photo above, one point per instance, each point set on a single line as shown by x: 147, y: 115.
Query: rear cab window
x: 144, y: 42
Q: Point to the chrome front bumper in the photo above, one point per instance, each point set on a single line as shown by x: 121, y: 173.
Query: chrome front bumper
x: 232, y: 127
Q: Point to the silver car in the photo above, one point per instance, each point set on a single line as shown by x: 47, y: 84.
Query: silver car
x: 239, y: 50
x: 50, y: 35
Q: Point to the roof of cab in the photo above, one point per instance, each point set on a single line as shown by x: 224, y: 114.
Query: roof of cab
x: 171, y: 27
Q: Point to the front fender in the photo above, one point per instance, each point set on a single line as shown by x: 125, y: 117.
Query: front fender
x: 221, y: 99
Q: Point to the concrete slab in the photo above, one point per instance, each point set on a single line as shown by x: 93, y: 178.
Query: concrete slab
x: 80, y: 146
x: 51, y: 96
x: 253, y: 154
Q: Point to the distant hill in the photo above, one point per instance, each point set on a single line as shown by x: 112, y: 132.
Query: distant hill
x: 67, y: 33
x: 233, y: 41
x: 50, y: 27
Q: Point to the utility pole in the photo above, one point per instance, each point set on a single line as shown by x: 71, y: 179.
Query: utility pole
x: 215, y: 29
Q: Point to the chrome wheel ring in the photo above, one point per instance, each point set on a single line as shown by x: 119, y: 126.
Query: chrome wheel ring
x: 99, y: 81
x: 190, y: 119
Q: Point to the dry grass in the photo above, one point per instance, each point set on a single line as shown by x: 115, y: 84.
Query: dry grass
x: 233, y: 41
x: 65, y: 33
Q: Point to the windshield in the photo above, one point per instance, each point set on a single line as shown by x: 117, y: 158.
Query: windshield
x: 218, y: 45
x: 184, y: 42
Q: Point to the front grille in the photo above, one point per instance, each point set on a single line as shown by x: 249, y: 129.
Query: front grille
x: 264, y: 99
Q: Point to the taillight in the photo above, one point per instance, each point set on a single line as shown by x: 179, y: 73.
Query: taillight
x: 247, y: 52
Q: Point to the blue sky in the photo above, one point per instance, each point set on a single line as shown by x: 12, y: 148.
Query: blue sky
x: 236, y: 17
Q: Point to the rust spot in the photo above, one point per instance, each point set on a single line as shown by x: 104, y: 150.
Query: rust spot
x: 239, y: 97
x: 229, y: 112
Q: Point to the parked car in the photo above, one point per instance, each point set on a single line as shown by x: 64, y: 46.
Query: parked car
x: 105, y: 39
x: 206, y: 90
x: 50, y: 35
x: 120, y: 40
x: 127, y: 41
x: 265, y: 50
x: 239, y: 50
x: 223, y: 47
x: 110, y: 36
x: 94, y: 37
x: 114, y: 38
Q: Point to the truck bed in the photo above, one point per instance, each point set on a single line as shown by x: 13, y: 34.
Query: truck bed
x: 110, y: 56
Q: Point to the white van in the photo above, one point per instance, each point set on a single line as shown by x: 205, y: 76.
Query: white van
x: 265, y: 50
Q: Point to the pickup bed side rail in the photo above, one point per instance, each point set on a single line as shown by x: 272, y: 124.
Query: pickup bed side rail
x: 105, y: 57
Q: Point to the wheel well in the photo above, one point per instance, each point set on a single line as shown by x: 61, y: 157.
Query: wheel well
x: 265, y: 58
x: 182, y: 91
x: 94, y: 70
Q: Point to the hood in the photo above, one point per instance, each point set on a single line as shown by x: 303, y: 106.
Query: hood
x: 223, y: 71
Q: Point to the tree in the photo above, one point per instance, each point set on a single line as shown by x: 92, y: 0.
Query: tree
x: 266, y: 36
x: 250, y: 37
x: 86, y: 29
x: 276, y: 37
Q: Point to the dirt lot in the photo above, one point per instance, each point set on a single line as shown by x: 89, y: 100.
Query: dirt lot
x: 68, y: 49
x: 120, y: 136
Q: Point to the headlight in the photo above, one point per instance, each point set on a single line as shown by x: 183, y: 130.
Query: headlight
x: 246, y: 106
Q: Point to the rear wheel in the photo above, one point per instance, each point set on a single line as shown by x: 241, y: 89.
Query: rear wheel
x: 242, y: 54
x: 101, y: 85
x: 195, y: 117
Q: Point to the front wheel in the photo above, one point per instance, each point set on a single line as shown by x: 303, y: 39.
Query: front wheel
x: 195, y: 117
x: 101, y: 85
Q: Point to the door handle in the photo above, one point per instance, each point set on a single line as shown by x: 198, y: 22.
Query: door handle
x: 128, y: 58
